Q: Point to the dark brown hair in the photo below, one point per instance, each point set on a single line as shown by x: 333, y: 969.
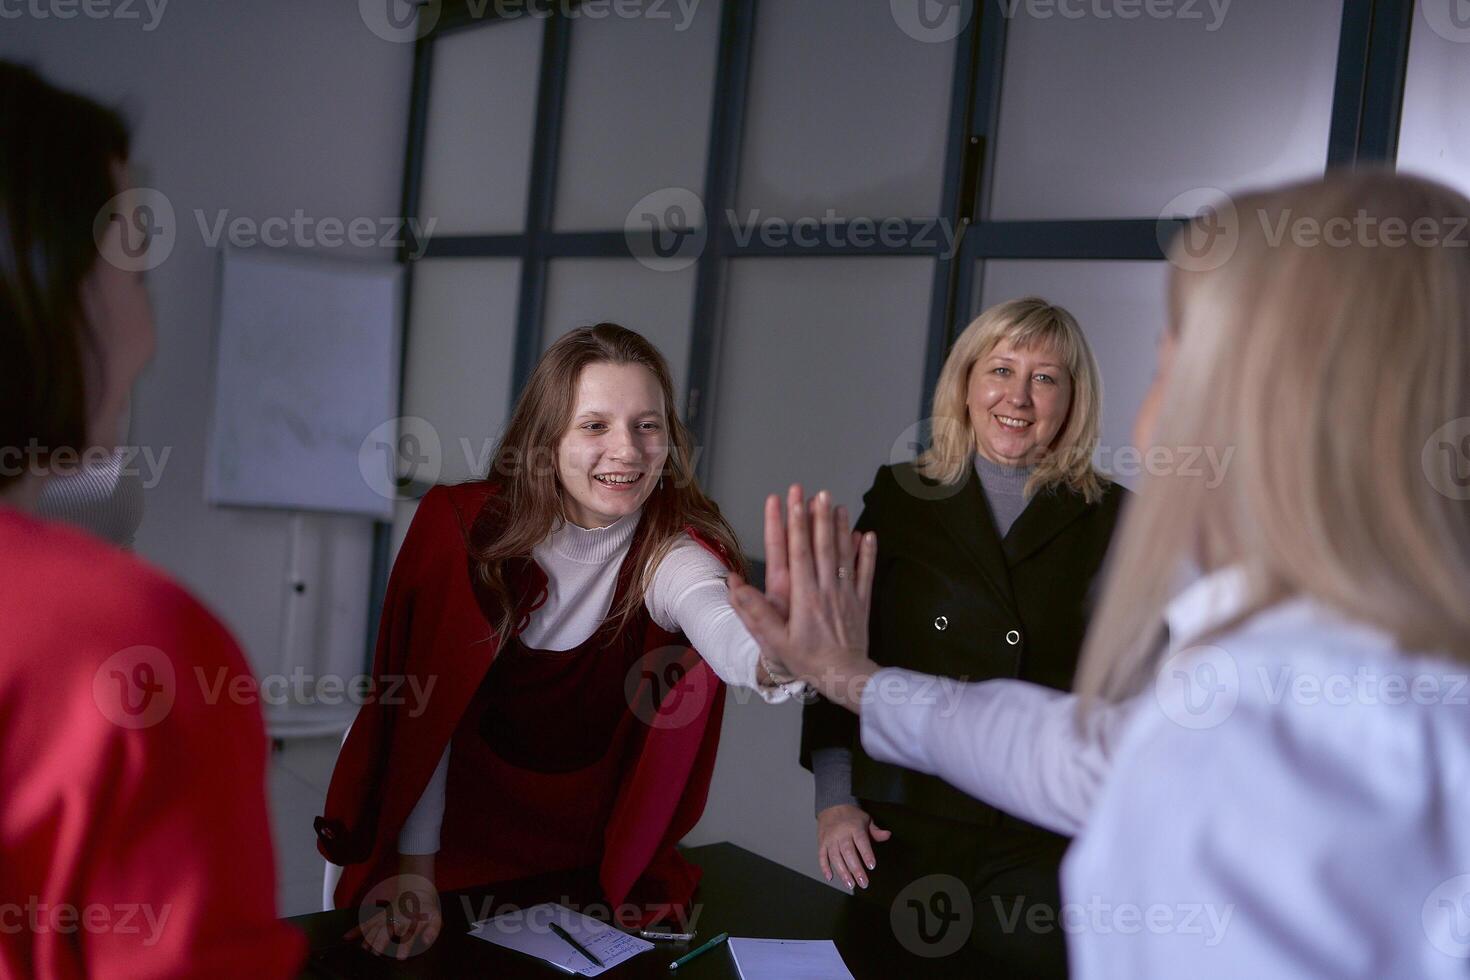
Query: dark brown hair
x: 530, y: 494
x: 57, y: 153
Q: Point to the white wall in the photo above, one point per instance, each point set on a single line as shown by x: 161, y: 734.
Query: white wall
x: 260, y: 109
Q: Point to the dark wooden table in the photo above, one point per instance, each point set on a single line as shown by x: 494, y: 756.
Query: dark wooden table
x: 741, y: 893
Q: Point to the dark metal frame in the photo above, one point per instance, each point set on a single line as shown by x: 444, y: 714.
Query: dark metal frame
x: 1372, y: 61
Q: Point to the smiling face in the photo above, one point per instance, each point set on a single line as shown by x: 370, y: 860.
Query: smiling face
x: 613, y: 450
x: 1018, y: 401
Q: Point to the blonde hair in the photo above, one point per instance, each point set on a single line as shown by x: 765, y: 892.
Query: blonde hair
x: 1030, y: 323
x: 1326, y: 368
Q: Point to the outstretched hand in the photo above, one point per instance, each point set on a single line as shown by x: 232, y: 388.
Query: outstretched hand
x: 813, y: 618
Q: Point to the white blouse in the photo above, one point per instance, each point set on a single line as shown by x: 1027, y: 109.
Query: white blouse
x: 687, y: 593
x: 1288, y: 801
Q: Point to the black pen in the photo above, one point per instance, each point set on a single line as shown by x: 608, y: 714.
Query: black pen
x: 574, y: 944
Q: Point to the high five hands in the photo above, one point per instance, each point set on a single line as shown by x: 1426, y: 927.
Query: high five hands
x: 813, y: 617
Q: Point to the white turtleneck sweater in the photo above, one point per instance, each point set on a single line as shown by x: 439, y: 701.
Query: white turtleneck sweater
x: 688, y: 594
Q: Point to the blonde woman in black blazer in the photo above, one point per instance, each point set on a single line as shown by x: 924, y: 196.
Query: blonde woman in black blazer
x: 988, y: 548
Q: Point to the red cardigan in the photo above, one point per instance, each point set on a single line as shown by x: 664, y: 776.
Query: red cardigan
x: 134, y: 840
x: 433, y: 627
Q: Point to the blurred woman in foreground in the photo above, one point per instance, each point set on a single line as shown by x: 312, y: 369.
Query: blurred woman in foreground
x: 1286, y: 796
x: 130, y: 795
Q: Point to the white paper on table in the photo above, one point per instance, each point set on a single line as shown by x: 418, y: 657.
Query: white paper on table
x: 788, y: 959
x: 529, y: 931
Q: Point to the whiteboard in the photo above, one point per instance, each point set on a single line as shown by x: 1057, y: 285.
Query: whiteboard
x: 306, y: 356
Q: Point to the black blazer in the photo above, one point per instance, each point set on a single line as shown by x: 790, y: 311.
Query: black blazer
x: 952, y: 598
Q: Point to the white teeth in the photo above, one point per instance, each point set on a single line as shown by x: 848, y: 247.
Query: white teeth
x: 1012, y: 423
x: 607, y: 478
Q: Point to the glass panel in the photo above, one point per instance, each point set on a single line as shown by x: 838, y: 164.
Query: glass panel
x: 1106, y: 117
x: 820, y: 376
x: 1434, y: 135
x: 1122, y: 309
x: 581, y: 292
x: 825, y: 129
x: 461, y: 350
x: 482, y: 112
x: 650, y: 130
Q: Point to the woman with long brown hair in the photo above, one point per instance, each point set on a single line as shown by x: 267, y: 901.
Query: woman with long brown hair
x: 547, y: 612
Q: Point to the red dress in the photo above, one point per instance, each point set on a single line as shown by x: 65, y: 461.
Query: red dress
x: 134, y: 840
x: 597, y: 756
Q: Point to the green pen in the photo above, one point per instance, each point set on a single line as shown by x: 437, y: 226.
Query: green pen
x: 702, y: 949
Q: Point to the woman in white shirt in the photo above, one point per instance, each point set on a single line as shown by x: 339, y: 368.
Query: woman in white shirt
x: 1287, y: 787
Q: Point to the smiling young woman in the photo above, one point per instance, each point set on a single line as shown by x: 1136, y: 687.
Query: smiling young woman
x: 571, y: 611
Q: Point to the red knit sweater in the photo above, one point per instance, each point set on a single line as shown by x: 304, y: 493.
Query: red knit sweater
x: 434, y: 628
x: 134, y: 840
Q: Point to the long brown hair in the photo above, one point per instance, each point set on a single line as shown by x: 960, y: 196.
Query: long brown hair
x: 529, y: 492
x: 58, y: 152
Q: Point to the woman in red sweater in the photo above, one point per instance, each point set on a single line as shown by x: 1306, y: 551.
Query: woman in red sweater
x: 130, y: 794
x: 568, y: 622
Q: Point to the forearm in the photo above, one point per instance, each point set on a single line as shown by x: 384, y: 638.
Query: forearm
x: 1012, y: 744
x: 420, y: 834
x: 832, y: 778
